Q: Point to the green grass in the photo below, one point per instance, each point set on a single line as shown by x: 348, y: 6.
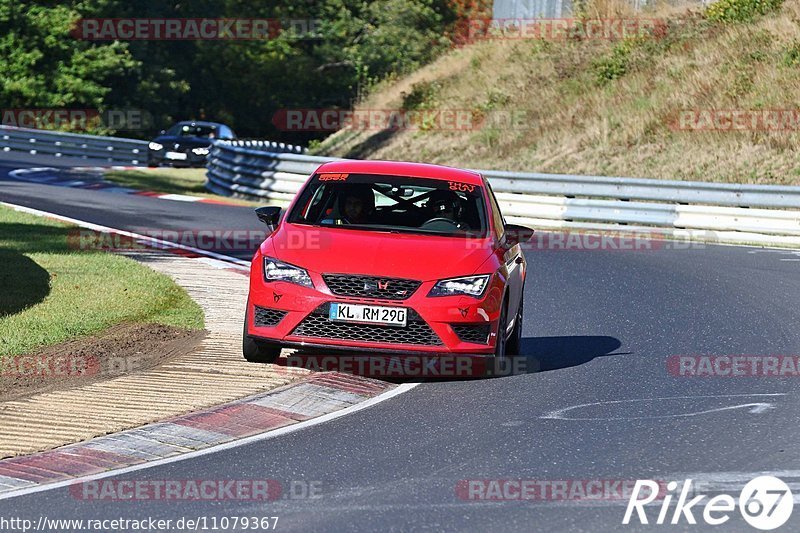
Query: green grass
x: 190, y: 181
x: 51, y: 292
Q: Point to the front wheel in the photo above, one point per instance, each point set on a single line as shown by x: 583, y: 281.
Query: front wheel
x: 502, y: 342
x: 257, y: 351
x: 500, y: 360
x: 514, y: 344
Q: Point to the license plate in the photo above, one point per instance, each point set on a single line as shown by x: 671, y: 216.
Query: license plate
x: 370, y: 314
x: 175, y: 155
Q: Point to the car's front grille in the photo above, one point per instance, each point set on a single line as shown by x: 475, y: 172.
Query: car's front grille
x: 478, y: 334
x: 318, y: 325
x: 267, y: 318
x: 371, y: 286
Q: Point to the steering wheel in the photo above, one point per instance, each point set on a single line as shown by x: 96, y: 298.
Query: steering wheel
x: 441, y: 224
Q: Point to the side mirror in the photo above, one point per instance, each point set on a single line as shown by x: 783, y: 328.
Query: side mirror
x: 517, y: 235
x: 269, y: 215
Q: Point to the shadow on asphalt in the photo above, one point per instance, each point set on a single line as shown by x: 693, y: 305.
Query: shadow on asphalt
x: 539, y: 354
x: 543, y: 354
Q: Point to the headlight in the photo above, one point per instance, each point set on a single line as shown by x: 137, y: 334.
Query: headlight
x: 468, y: 286
x: 200, y: 151
x: 155, y: 146
x: 275, y: 270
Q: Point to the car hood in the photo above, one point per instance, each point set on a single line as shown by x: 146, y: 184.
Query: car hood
x: 333, y: 250
x: 182, y: 142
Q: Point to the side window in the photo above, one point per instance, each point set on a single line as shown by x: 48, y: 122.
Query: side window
x: 497, y: 216
x: 225, y: 133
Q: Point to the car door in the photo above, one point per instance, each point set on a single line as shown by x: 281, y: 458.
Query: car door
x: 511, y: 255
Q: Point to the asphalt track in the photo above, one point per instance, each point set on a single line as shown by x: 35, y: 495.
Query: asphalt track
x: 600, y: 325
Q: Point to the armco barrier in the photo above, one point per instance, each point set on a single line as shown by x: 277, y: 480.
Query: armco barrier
x: 255, y: 173
x: 91, y: 147
x: 103, y: 149
x: 266, y: 146
x: 760, y: 214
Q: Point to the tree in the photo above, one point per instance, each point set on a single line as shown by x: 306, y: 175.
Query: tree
x: 44, y: 67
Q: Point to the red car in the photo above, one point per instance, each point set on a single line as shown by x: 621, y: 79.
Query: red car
x: 388, y: 257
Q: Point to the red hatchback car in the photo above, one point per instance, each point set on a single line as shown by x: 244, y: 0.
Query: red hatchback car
x: 388, y: 257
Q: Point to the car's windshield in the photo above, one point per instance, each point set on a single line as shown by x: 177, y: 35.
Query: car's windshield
x: 192, y: 130
x: 392, y: 203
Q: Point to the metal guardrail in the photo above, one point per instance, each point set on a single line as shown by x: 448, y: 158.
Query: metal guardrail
x: 765, y: 214
x: 58, y: 144
x: 680, y: 192
x: 244, y: 171
x: 761, y: 214
x: 107, y: 149
x: 266, y: 146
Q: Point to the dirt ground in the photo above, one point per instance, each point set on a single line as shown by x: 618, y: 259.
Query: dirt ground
x: 122, y: 349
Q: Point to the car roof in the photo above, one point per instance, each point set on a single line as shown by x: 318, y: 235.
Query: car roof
x: 397, y: 168
x: 199, y: 123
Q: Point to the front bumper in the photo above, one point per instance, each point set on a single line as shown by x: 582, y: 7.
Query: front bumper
x: 298, y: 317
x: 157, y: 157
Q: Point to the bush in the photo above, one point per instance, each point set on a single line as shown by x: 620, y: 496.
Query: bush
x: 422, y: 96
x: 740, y: 10
x: 495, y: 99
x: 791, y: 57
x: 615, y: 65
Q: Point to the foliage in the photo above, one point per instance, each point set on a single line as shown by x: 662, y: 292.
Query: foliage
x: 44, y: 67
x: 740, y: 10
x: 616, y: 64
x: 353, y: 45
x: 422, y: 96
x: 791, y: 57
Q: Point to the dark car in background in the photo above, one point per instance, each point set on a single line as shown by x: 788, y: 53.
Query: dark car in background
x: 186, y: 144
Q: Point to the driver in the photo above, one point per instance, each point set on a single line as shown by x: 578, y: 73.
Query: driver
x: 357, y: 204
x: 444, y: 204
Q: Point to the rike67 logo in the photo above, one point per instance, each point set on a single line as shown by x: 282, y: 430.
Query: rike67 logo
x: 765, y: 503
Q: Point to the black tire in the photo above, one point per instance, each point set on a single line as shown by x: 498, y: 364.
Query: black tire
x: 514, y: 344
x: 500, y: 360
x: 151, y: 164
x: 501, y: 345
x: 257, y: 351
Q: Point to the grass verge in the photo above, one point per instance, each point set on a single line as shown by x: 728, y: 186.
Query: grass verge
x: 51, y: 292
x: 189, y: 181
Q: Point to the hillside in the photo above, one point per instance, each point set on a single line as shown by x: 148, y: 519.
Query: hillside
x: 700, y: 99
